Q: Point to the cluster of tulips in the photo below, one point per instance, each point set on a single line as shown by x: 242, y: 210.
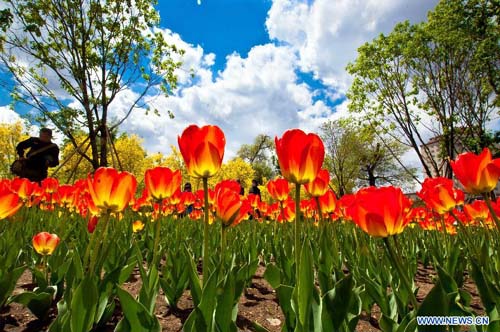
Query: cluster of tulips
x: 383, y: 212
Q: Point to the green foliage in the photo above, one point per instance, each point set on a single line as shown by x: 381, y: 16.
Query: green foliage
x: 434, y: 73
x: 260, y: 154
x: 357, y: 156
x: 87, y: 52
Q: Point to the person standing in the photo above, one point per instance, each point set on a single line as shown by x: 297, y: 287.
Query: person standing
x: 42, y: 155
x: 254, y: 189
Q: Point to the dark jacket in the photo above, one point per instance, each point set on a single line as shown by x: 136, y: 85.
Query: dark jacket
x: 38, y: 164
x: 254, y: 190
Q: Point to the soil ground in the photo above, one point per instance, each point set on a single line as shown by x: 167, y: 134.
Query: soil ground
x: 258, y: 304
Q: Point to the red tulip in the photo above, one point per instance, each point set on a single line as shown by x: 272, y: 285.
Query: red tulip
x: 229, y: 207
x: 478, y: 213
x: 278, y: 189
x: 202, y: 150
x: 300, y: 155
x: 50, y: 185
x: 328, y: 202
x: 440, y: 195
x: 92, y: 224
x: 477, y: 173
x: 23, y: 187
x: 111, y: 190
x: 9, y: 202
x: 162, y: 182
x: 381, y: 211
x: 319, y: 185
x: 45, y: 243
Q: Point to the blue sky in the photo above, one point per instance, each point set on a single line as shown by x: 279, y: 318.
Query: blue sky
x: 221, y: 27
x: 260, y: 66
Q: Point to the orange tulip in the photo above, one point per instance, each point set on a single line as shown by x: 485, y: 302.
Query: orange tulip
x: 381, y: 211
x: 477, y: 212
x: 50, y: 185
x: 202, y: 150
x: 162, y: 182
x: 23, y: 187
x: 328, y: 202
x: 440, y: 195
x: 319, y: 185
x: 278, y: 189
x: 477, y: 173
x: 45, y: 243
x: 111, y: 190
x: 137, y: 226
x: 287, y: 214
x: 9, y: 202
x: 229, y: 207
x: 300, y: 155
x: 66, y: 195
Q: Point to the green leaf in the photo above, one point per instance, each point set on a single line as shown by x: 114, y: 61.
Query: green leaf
x: 38, y: 303
x: 272, y: 275
x: 285, y: 294
x: 305, y: 286
x: 434, y: 304
x: 337, y: 301
x: 8, y: 283
x: 225, y: 302
x: 259, y: 328
x: 83, y: 305
x: 136, y: 315
x: 194, y: 280
x: 487, y: 294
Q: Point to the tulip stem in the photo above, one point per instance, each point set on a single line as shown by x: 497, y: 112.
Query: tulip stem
x: 492, y: 211
x: 157, y: 233
x: 297, y: 230
x: 97, y: 247
x: 205, y: 232
x: 321, y: 221
x: 403, y: 276
x: 222, y: 246
x: 45, y: 259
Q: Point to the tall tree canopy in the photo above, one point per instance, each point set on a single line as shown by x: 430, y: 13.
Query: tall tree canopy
x: 71, y: 59
x: 261, y: 156
x: 433, y: 76
x: 357, y: 157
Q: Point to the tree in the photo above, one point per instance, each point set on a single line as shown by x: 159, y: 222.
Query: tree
x: 380, y: 161
x: 261, y: 156
x: 357, y: 157
x: 451, y: 79
x: 10, y: 136
x: 235, y: 169
x: 129, y: 156
x: 340, y: 159
x: 433, y: 70
x: 70, y: 60
x: 383, y: 94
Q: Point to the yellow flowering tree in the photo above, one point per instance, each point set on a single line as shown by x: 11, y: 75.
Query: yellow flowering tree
x: 10, y: 135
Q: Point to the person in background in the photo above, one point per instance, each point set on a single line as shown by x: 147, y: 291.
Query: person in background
x: 254, y: 189
x: 37, y: 163
x: 188, y: 188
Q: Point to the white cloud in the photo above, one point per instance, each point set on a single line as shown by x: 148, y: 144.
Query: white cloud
x: 7, y: 115
x: 252, y: 95
x: 326, y: 34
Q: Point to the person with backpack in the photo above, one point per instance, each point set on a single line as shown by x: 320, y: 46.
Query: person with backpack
x: 42, y: 154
